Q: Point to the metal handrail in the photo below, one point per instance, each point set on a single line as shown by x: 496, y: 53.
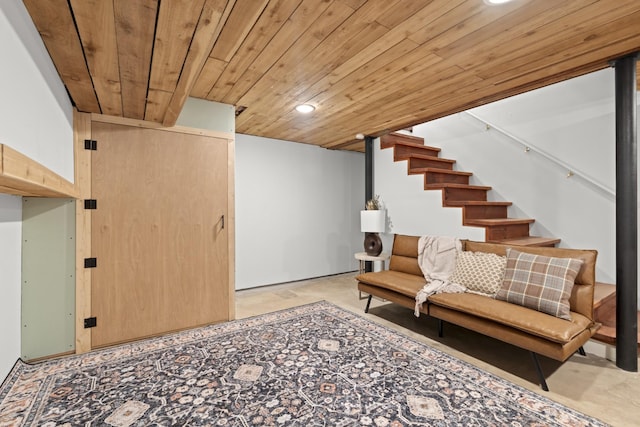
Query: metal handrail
x: 571, y: 171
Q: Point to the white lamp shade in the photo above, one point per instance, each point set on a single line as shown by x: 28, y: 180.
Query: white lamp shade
x: 372, y: 221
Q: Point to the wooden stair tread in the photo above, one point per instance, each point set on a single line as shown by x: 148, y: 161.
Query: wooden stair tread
x: 426, y: 157
x: 415, y: 161
x: 604, y: 312
x: 499, y: 221
x: 529, y: 241
x: 405, y: 150
x: 607, y: 333
x: 440, y: 185
x: 461, y: 203
x: 416, y: 145
x: 390, y: 139
x: 603, y: 293
x: 436, y: 170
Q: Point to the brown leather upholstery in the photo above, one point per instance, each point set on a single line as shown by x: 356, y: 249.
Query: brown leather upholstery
x: 581, y: 300
x: 397, y: 281
x: 513, y: 336
x: 517, y: 325
x: 526, y: 320
x: 404, y: 255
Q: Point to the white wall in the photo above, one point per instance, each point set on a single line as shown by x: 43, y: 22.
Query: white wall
x: 573, y: 121
x: 203, y: 114
x: 36, y: 121
x: 297, y: 211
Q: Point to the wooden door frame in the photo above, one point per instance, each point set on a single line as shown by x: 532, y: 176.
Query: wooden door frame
x: 82, y: 173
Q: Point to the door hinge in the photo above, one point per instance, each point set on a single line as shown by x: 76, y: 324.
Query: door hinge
x: 90, y: 144
x: 91, y: 204
x: 90, y: 322
x: 90, y: 262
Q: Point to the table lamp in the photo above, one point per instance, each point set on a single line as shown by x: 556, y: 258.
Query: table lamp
x: 372, y: 222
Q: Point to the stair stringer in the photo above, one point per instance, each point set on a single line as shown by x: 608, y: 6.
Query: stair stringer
x: 393, y: 184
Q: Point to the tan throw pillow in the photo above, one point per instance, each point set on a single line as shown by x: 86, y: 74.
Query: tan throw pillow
x: 479, y: 272
x: 539, y: 282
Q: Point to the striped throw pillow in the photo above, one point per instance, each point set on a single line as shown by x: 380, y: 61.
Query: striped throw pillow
x: 539, y: 282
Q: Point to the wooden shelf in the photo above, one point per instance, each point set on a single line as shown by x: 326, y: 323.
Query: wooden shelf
x: 23, y: 176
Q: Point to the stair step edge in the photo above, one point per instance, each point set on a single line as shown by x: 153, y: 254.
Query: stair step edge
x: 425, y: 157
x: 415, y: 145
x: 384, y: 143
x: 420, y: 171
x: 499, y: 221
x: 603, y: 293
x: 462, y: 203
x: 528, y: 241
x: 436, y: 170
x: 441, y: 171
x: 441, y: 185
x: 607, y: 334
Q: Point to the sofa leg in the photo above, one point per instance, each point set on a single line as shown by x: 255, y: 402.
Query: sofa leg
x: 366, y: 309
x: 440, y: 328
x: 536, y: 363
x: 581, y: 351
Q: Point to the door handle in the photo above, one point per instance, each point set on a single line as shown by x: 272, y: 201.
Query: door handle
x: 222, y: 220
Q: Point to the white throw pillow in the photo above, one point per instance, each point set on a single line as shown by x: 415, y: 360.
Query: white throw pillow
x: 479, y: 272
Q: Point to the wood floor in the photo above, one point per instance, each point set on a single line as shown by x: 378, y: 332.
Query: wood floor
x: 592, y: 385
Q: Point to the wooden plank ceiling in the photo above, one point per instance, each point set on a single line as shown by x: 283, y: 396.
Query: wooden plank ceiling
x: 368, y: 66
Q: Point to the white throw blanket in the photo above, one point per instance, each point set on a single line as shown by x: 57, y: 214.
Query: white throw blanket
x: 437, y: 259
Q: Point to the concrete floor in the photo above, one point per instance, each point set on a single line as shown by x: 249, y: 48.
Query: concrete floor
x: 592, y: 385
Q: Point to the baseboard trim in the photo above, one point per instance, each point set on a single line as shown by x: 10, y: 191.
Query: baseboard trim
x: 601, y: 349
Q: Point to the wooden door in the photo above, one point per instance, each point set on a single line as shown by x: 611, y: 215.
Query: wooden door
x: 157, y: 233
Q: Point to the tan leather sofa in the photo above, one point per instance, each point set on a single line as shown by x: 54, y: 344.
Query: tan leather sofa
x: 532, y: 330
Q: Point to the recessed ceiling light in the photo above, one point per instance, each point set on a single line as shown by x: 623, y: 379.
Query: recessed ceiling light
x: 305, y: 108
x: 492, y: 2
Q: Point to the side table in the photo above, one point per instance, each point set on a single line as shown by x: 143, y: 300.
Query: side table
x: 363, y: 257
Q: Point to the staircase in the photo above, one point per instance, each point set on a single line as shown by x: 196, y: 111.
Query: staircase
x: 604, y: 312
x: 456, y: 192
x: 478, y: 212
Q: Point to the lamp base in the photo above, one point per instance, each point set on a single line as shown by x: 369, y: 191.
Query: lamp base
x: 372, y: 244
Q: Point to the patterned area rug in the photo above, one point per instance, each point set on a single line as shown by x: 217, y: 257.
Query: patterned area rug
x: 314, y: 365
